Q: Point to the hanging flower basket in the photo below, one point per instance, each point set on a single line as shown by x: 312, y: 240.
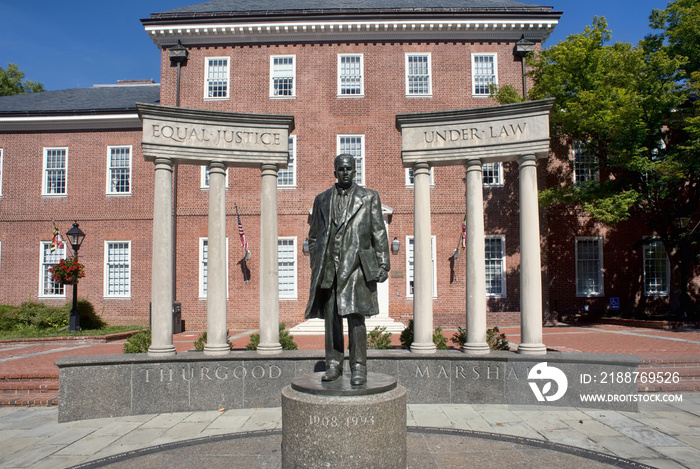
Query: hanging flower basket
x: 67, y: 271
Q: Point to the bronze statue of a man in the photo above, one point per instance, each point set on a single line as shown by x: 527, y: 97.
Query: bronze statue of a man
x: 349, y: 252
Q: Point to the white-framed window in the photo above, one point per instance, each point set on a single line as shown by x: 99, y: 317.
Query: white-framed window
x: 288, y: 177
x: 408, y: 174
x: 410, y: 263
x: 217, y: 78
x: 657, y: 269
x: 589, y: 266
x: 117, y: 269
x: 55, y: 171
x: 585, y: 165
x: 351, y: 78
x: 495, y: 265
x: 204, y: 179
x: 355, y: 146
x: 119, y: 170
x: 418, y: 76
x: 1, y: 172
x: 283, y: 72
x: 47, y: 287
x: 287, y: 267
x: 492, y: 174
x: 484, y: 73
x: 204, y: 271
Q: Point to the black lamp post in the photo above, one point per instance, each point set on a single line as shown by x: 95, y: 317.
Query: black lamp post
x: 522, y: 48
x: 75, y: 237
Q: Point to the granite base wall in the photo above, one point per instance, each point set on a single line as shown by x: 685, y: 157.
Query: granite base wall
x: 117, y: 385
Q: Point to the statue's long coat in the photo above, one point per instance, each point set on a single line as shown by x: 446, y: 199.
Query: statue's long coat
x: 363, y: 229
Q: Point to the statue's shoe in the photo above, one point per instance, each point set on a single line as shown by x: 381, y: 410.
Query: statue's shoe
x: 332, y: 373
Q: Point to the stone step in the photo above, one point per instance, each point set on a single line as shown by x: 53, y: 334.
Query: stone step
x: 32, y: 399
x: 678, y: 373
x: 28, y: 386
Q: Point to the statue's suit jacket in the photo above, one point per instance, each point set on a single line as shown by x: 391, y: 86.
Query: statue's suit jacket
x: 364, y: 230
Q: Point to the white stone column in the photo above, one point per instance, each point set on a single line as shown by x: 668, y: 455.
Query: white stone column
x: 476, y: 263
x: 269, y: 275
x: 422, y: 263
x: 530, y: 265
x: 217, y: 341
x: 161, y: 269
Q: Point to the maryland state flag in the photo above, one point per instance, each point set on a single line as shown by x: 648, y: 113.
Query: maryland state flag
x: 56, y: 241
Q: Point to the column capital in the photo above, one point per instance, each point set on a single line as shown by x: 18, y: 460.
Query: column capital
x: 530, y: 159
x: 217, y: 167
x: 472, y: 162
x: 163, y: 163
x: 421, y: 167
x: 267, y: 169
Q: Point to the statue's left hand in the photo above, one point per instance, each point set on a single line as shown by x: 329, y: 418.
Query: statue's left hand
x: 382, y: 275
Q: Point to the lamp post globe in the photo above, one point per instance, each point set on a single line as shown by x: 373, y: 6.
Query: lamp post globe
x: 75, y: 237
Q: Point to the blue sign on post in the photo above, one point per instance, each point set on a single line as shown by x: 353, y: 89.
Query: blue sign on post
x: 614, y: 303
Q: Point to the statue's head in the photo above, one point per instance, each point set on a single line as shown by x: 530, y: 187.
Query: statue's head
x: 344, y: 170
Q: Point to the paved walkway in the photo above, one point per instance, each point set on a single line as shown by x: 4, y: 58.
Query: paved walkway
x: 663, y: 435
x: 659, y: 435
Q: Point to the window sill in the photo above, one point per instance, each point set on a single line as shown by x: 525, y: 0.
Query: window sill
x: 288, y: 298
x: 51, y: 297
x: 227, y: 98
x: 419, y: 95
x: 283, y: 97
x: 590, y: 295
x: 287, y: 187
x: 118, y: 194
x: 343, y: 96
x: 116, y: 297
x: 55, y: 196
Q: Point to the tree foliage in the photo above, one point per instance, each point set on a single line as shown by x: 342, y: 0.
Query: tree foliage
x: 12, y: 82
x: 629, y: 106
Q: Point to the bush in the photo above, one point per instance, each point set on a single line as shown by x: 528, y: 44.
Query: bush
x: 88, y: 318
x: 33, y: 315
x: 497, y: 341
x: 202, y: 340
x: 379, y: 338
x: 494, y: 338
x: 439, y: 339
x: 286, y: 340
x: 139, y: 342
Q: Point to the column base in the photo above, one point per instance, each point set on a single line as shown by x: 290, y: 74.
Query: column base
x: 162, y: 351
x: 214, y: 349
x: 269, y: 349
x: 476, y: 348
x: 532, y: 349
x: 423, y: 348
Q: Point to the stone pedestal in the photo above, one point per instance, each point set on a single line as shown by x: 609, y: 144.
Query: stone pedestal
x: 338, y: 425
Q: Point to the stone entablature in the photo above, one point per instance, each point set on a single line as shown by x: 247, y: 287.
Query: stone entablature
x: 196, y: 136
x: 498, y: 133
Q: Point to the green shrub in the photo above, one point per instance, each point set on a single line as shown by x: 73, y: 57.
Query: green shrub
x: 88, y: 317
x: 286, y: 340
x: 139, y: 342
x: 439, y: 339
x: 497, y: 341
x: 460, y: 337
x: 202, y: 340
x: 494, y: 338
x: 379, y: 338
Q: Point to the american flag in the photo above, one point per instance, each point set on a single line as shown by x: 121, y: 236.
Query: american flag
x: 244, y: 243
x: 57, y: 241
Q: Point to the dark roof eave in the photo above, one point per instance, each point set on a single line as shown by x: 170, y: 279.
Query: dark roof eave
x: 398, y: 13
x: 74, y: 112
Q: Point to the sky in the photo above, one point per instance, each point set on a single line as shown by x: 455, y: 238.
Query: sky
x: 79, y: 43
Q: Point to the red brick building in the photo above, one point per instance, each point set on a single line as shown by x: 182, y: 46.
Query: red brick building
x: 344, y: 72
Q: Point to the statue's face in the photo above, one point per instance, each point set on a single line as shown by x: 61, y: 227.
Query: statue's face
x: 345, y: 172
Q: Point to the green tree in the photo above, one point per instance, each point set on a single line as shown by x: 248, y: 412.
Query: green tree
x: 627, y: 105
x: 12, y: 82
